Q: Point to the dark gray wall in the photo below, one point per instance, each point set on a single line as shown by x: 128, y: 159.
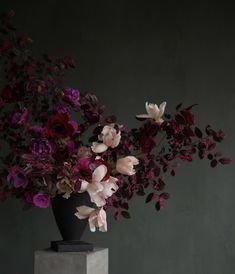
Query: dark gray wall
x: 129, y: 52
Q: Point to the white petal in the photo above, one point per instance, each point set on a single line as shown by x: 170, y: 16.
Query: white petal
x: 99, y: 173
x: 143, y: 116
x: 110, y: 187
x: 162, y: 108
x: 98, y: 147
x: 84, y: 185
x: 83, y: 212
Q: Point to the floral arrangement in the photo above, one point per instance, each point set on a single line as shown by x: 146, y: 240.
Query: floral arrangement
x: 44, y: 124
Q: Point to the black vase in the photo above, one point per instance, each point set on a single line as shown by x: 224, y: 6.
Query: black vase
x: 70, y: 227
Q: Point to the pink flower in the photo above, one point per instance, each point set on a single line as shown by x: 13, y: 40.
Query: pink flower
x: 126, y: 165
x: 109, y: 137
x: 100, y: 189
x: 97, y: 217
x: 41, y: 200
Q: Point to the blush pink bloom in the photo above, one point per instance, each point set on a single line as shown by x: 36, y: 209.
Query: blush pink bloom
x: 100, y: 189
x: 126, y: 165
x: 97, y: 217
x: 109, y: 137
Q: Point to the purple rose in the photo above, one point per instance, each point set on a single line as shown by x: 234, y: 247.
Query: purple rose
x: 71, y: 96
x: 20, y: 117
x: 41, y: 200
x: 60, y: 108
x: 41, y: 147
x: 17, y: 177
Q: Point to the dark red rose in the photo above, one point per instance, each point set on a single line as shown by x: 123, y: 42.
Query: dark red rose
x: 58, y: 126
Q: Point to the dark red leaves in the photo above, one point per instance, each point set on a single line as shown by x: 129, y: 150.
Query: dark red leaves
x: 214, y: 163
x: 151, y: 196
x: 125, y: 214
x: 198, y: 132
x: 225, y: 161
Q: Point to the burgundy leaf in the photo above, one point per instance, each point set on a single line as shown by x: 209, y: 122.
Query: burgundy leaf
x: 214, y: 163
x: 158, y: 206
x: 150, y: 197
x: 198, y: 132
x: 225, y: 161
x: 178, y: 106
x: 126, y: 214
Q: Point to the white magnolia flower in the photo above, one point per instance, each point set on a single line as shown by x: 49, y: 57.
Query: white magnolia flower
x: 109, y: 137
x: 98, y: 189
x: 154, y: 112
x: 97, y: 217
x: 126, y: 165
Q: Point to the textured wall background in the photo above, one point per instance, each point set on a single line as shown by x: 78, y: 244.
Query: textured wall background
x: 129, y: 52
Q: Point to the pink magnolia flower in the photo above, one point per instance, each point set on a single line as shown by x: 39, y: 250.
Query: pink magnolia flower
x: 100, y: 189
x: 154, y: 112
x: 97, y: 217
x: 109, y: 137
x: 126, y: 165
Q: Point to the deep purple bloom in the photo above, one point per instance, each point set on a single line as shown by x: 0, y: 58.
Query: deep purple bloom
x: 41, y: 147
x: 17, y: 177
x: 20, y: 117
x: 70, y: 147
x: 92, y: 116
x: 71, y: 96
x: 41, y: 200
x: 38, y: 130
x: 28, y: 197
x: 60, y: 108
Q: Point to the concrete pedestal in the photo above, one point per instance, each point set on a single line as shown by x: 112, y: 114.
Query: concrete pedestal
x: 51, y: 262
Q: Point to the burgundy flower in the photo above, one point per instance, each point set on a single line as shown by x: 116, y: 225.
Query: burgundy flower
x: 92, y: 117
x: 58, y: 126
x: 41, y: 147
x: 28, y: 197
x: 36, y: 86
x: 41, y: 200
x: 82, y: 168
x: 20, y: 117
x: 71, y: 96
x: 17, y: 177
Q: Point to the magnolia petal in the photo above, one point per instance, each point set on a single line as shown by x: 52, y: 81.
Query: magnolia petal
x: 84, y: 185
x: 162, y: 108
x: 110, y: 187
x: 144, y: 116
x: 99, y: 173
x: 84, y: 212
x: 98, y: 147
